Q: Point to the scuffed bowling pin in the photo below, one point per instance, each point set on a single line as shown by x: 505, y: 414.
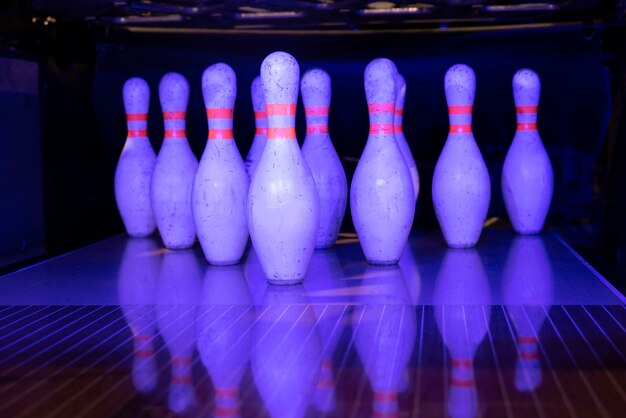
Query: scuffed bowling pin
x: 283, y: 206
x: 462, y: 308
x: 461, y: 188
x: 260, y: 120
x: 136, y: 290
x: 220, y: 187
x: 528, y: 283
x: 136, y: 164
x: 381, y: 196
x: 178, y: 288
x: 527, y: 178
x: 385, y: 329
x: 399, y: 132
x: 287, y: 350
x: 172, y: 181
x: 224, y: 332
x: 320, y: 155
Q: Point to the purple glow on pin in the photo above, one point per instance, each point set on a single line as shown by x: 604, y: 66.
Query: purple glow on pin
x: 260, y: 120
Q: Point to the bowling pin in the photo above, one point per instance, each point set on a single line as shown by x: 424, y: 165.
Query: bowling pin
x: 224, y: 332
x: 260, y: 120
x: 527, y: 178
x: 462, y: 310
x: 136, y: 164
x: 283, y: 206
x: 385, y: 328
x: 287, y: 350
x: 399, y: 133
x: 172, y: 181
x: 528, y: 283
x: 220, y: 187
x: 461, y: 187
x: 381, y: 196
x: 136, y: 290
x: 178, y: 288
x: 321, y: 157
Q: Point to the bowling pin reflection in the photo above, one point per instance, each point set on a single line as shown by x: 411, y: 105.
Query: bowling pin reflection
x: 287, y: 351
x: 177, y: 294
x: 385, y: 328
x: 136, y: 291
x: 323, y: 281
x: 462, y: 312
x: 223, y: 329
x: 528, y: 293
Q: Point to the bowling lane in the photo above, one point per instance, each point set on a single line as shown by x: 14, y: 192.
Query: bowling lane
x: 520, y: 326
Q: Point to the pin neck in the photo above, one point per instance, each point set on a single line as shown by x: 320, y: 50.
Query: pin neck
x: 220, y: 122
x: 382, y: 118
x: 137, y: 125
x: 397, y: 120
x: 260, y: 118
x: 316, y: 120
x: 281, y: 120
x: 174, y: 123
x: 526, y: 117
x: 460, y: 119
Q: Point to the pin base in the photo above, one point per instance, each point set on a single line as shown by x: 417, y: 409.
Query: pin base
x: 140, y: 234
x: 462, y: 246
x: 179, y: 247
x: 284, y: 282
x: 325, y: 246
x: 224, y: 263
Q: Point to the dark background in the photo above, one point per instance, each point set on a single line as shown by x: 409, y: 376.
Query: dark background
x: 77, y: 117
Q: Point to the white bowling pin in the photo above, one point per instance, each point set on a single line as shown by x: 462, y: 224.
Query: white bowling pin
x: 528, y: 283
x: 136, y: 164
x: 321, y: 157
x: 527, y: 178
x: 381, y: 196
x: 461, y: 188
x: 260, y: 120
x: 224, y: 332
x: 385, y: 329
x: 220, y: 187
x: 399, y: 133
x: 178, y: 288
x: 283, y: 206
x: 172, y: 181
x: 462, y: 310
x: 136, y: 286
x: 287, y: 350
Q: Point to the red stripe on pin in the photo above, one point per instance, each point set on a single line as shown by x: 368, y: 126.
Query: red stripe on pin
x: 527, y: 126
x: 226, y: 113
x: 136, y: 117
x: 145, y: 353
x: 385, y: 396
x: 181, y: 360
x: 317, y: 129
x: 397, y: 128
x: 226, y: 393
x: 281, y: 109
x: 260, y: 114
x: 461, y: 128
x: 316, y: 110
x: 381, y: 107
x: 181, y: 380
x: 260, y: 131
x: 462, y: 383
x: 281, y: 133
x: 460, y: 110
x: 529, y: 355
x: 526, y: 339
x: 399, y: 111
x: 462, y: 363
x: 381, y: 129
x: 220, y: 134
x: 175, y: 133
x: 137, y: 133
x: 526, y: 109
x: 174, y: 115
x: 225, y: 411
